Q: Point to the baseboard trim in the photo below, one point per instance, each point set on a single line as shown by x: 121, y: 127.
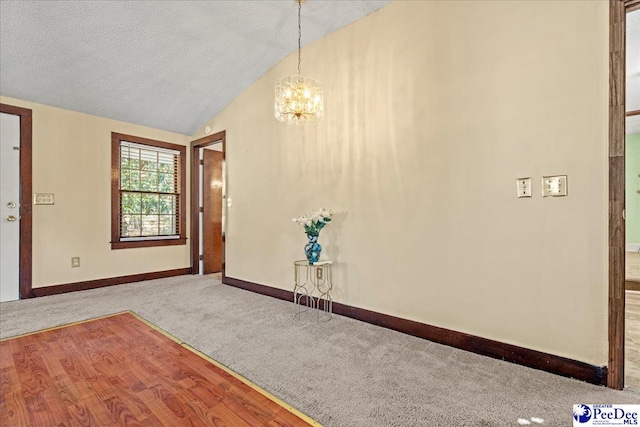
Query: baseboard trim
x: 632, y: 285
x: 111, y: 281
x: 259, y: 289
x: 511, y: 353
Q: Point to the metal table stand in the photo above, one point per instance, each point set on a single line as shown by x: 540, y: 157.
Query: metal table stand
x: 309, y: 280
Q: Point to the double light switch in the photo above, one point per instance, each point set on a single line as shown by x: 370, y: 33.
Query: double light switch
x: 552, y: 186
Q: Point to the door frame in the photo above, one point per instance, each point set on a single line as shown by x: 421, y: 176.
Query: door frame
x: 215, y: 138
x: 25, y: 262
x: 617, y: 33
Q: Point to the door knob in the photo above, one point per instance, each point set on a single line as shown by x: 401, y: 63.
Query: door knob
x: 11, y: 205
x: 11, y: 218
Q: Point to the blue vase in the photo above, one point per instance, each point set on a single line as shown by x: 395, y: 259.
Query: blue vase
x: 312, y: 249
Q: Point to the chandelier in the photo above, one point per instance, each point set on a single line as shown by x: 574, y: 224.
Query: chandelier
x: 298, y: 99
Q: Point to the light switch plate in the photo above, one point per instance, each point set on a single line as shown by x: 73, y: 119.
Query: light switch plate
x: 524, y: 187
x: 43, y: 199
x: 554, y: 186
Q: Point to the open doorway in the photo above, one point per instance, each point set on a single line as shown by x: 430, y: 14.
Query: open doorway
x: 208, y: 187
x: 632, y: 201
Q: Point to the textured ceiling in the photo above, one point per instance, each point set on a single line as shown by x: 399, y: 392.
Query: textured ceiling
x: 172, y: 64
x: 165, y: 64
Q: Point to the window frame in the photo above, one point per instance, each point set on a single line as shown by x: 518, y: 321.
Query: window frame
x: 117, y: 241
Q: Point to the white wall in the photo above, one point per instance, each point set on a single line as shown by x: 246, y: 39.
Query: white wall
x: 72, y: 159
x: 432, y: 110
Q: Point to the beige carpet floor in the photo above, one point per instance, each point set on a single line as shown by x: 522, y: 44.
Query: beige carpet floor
x: 342, y: 372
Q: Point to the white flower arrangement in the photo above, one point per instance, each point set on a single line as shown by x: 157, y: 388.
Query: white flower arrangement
x: 314, y: 222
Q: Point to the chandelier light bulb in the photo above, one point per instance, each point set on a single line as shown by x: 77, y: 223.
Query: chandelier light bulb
x: 298, y: 99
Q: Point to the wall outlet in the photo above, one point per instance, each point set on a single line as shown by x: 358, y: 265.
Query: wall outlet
x: 319, y: 273
x: 75, y: 262
x: 524, y: 187
x: 554, y: 186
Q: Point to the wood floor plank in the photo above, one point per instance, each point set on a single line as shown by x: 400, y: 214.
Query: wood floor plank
x: 14, y: 409
x: 81, y: 415
x: 38, y: 410
x: 229, y: 417
x: 55, y: 407
x: 283, y: 418
x: 6, y: 361
x: 66, y: 391
x: 152, y: 421
x: 206, y: 393
x: 98, y: 410
x: 204, y: 414
x: 159, y: 409
x: 121, y: 412
x: 138, y: 408
x: 8, y: 380
x: 120, y: 371
x: 54, y: 367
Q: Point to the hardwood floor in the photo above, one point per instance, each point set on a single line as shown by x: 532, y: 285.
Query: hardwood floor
x: 120, y: 371
x: 632, y: 340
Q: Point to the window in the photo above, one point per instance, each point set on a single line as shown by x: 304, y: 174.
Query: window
x: 147, y: 191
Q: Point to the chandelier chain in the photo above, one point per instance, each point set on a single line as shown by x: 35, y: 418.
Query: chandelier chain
x: 299, y: 35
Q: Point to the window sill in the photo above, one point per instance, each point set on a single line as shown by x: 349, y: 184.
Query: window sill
x: 147, y: 243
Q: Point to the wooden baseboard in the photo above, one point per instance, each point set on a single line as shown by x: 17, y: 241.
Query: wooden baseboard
x: 259, y: 289
x: 111, y: 281
x: 511, y: 353
x: 631, y: 285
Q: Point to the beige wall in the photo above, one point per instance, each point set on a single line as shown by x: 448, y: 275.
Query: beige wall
x: 432, y: 110
x: 72, y: 159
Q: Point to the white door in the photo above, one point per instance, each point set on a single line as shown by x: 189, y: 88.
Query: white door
x: 9, y: 207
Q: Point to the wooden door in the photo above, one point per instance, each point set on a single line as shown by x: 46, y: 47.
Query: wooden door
x: 212, y: 212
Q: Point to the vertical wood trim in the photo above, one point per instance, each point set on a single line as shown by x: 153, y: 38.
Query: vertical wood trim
x: 26, y: 211
x: 225, y: 212
x: 195, y: 210
x: 26, y: 185
x: 617, y: 16
x: 183, y: 192
x: 219, y: 137
x: 115, y: 187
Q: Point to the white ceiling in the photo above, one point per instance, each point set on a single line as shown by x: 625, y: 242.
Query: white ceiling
x: 174, y: 64
x: 165, y: 64
x: 633, y: 70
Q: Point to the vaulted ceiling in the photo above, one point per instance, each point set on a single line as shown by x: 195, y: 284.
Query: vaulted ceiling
x: 173, y: 65
x: 170, y: 65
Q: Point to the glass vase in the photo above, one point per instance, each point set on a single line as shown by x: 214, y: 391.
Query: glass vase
x: 312, y: 249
